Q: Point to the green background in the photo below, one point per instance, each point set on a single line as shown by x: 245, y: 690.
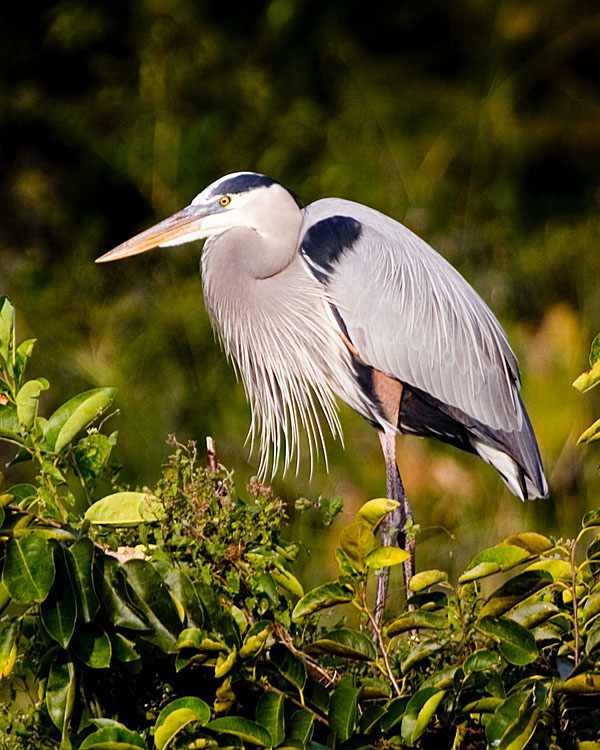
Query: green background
x: 475, y: 123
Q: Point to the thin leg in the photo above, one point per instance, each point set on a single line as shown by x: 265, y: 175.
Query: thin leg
x: 394, y: 524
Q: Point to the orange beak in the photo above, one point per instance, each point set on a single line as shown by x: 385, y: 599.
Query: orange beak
x: 183, y: 226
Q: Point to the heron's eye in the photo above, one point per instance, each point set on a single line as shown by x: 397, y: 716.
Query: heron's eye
x: 225, y: 200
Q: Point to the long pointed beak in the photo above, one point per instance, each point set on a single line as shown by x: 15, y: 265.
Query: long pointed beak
x: 183, y: 226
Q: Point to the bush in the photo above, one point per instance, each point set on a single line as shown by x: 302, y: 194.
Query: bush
x: 172, y: 618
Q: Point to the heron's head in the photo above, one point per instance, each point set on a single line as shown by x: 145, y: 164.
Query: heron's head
x: 242, y: 199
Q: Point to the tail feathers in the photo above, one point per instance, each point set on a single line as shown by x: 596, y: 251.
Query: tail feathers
x: 513, y: 475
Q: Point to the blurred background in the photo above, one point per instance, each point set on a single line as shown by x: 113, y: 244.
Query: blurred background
x: 476, y: 123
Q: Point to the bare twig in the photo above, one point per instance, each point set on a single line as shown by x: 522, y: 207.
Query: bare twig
x: 376, y: 630
x: 211, y: 456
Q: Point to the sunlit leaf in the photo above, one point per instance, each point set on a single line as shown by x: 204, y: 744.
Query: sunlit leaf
x: 7, y: 323
x: 419, y: 653
x: 28, y: 568
x: 77, y: 413
x: 530, y: 541
x: 532, y: 614
x: 125, y: 509
x: 255, y: 639
x: 321, y: 597
x: 590, y: 434
x: 592, y: 518
x: 514, y: 591
x: 416, y: 620
x: 419, y: 712
x: 426, y: 578
x: 176, y: 715
x: 492, y: 560
x: 27, y: 401
x: 8, y: 647
x: 374, y: 511
x: 588, y: 379
x: 481, y: 660
x: 384, y: 557
x: 558, y: 569
x: 583, y: 684
x: 357, y: 540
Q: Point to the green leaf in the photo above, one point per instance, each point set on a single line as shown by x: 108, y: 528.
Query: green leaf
x: 24, y: 351
x: 415, y: 620
x: 532, y: 614
x: 345, y: 642
x: 9, y: 423
x: 357, y: 540
x: 592, y: 518
x: 558, y: 569
x: 590, y: 434
x: 505, y: 716
x: 343, y: 710
x: 321, y: 597
x: 91, y: 644
x: 385, y: 557
x: 60, y: 693
x: 255, y: 639
x: 301, y: 726
x: 246, y: 730
x: 80, y: 559
x: 184, y: 592
x: 27, y: 401
x: 517, y: 736
x: 481, y: 660
x: 115, y: 598
x: 582, y: 684
x: 394, y: 712
x: 28, y: 569
x: 125, y: 509
x: 595, y: 350
x: 269, y: 713
x: 427, y: 578
x: 175, y: 716
x: 8, y: 647
x: 77, y: 413
x: 416, y: 655
x: 588, y: 379
x: 123, y: 649
x: 514, y: 591
x: 492, y: 560
x: 374, y: 511
x: 7, y: 325
x: 419, y: 712
x: 113, y: 738
x: 152, y: 597
x: 288, y: 665
x: 516, y: 643
x: 287, y: 580
x: 59, y: 610
x: 530, y: 541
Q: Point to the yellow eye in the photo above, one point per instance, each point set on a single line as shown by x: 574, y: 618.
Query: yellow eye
x: 225, y: 200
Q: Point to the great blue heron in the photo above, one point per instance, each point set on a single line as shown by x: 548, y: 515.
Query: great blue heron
x: 337, y: 299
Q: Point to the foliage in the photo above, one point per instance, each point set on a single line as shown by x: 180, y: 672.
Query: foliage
x: 172, y: 617
x: 584, y: 382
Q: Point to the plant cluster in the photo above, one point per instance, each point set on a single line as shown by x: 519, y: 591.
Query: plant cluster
x: 172, y: 617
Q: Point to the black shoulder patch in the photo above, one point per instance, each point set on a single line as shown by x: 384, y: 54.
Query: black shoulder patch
x: 326, y: 241
x: 241, y: 183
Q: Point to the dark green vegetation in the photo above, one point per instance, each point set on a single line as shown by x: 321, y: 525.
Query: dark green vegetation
x: 475, y: 123
x: 172, y: 617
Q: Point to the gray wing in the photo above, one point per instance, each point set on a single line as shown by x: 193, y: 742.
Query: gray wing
x: 410, y: 314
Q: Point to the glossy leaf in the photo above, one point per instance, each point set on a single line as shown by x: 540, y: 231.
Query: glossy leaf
x: 394, y: 712
x: 590, y: 434
x: 80, y: 559
x: 558, y: 569
x: 385, y: 557
x: 255, y: 639
x: 481, y: 660
x: 28, y: 568
x: 27, y: 401
x: 8, y: 647
x: 288, y: 665
x: 22, y: 354
x: 246, y: 730
x: 350, y: 644
x: 357, y: 540
x: 583, y: 684
x: 301, y: 726
x: 426, y: 578
x: 152, y: 597
x: 115, y: 598
x: 419, y: 653
x: 514, y: 591
x: 416, y: 620
x: 7, y: 323
x: 516, y: 643
x: 320, y: 598
x: 591, y: 518
x: 59, y: 610
x: 588, y: 379
x: 176, y: 715
x: 419, y: 712
x: 74, y: 415
x: 343, y: 711
x: 269, y: 713
x: 92, y: 646
x: 60, y: 693
x: 374, y: 511
x: 113, y: 738
x: 125, y: 509
x: 123, y: 649
x: 492, y: 560
x: 530, y: 541
x: 505, y: 716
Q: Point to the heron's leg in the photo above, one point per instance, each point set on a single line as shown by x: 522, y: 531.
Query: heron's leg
x: 394, y: 524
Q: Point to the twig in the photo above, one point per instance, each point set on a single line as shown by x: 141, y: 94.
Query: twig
x: 271, y: 689
x: 211, y: 456
x: 376, y: 629
x: 313, y: 667
x: 574, y: 602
